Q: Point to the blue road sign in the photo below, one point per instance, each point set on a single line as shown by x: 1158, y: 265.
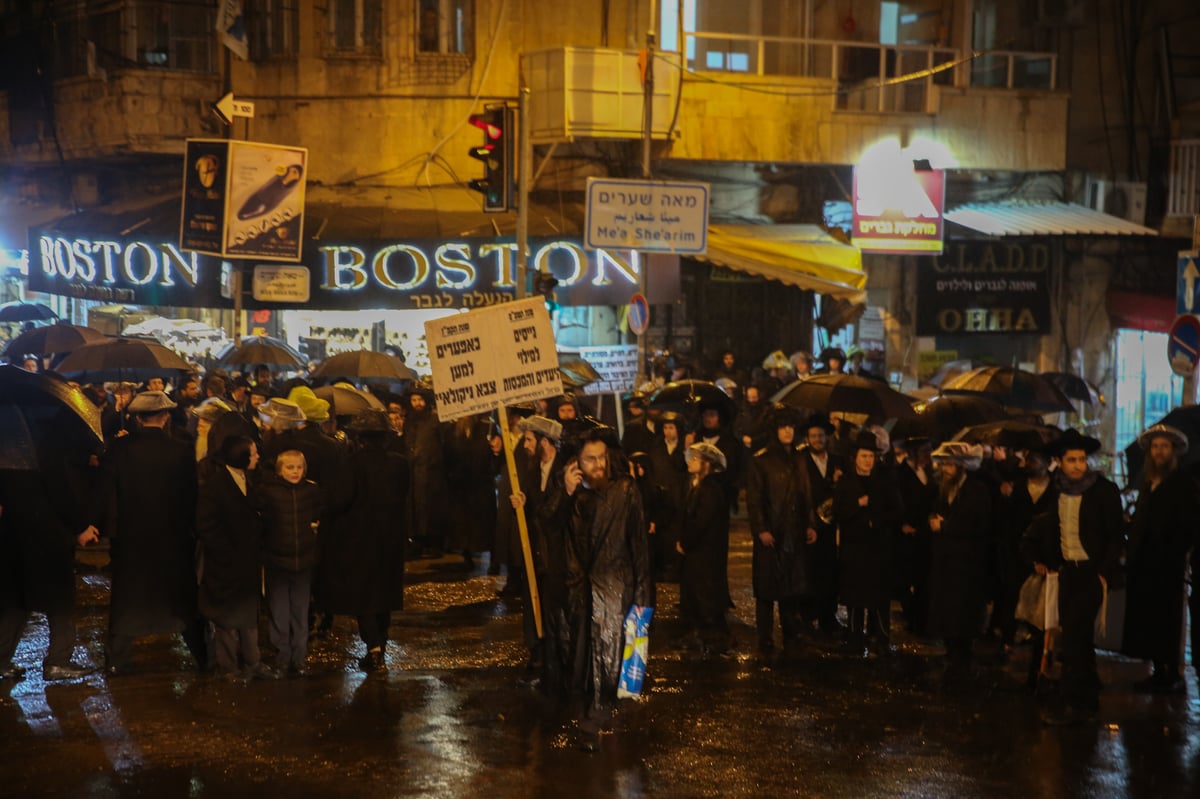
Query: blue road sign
x: 1183, y: 346
x: 1187, y: 284
x: 639, y: 314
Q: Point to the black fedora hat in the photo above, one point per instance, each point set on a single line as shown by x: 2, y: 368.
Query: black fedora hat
x: 1072, y: 439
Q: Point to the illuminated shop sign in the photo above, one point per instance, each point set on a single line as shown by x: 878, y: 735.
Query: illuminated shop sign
x: 468, y: 273
x: 986, y: 287
x: 898, y: 210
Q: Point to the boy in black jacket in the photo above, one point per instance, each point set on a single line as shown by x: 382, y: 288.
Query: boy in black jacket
x: 291, y: 510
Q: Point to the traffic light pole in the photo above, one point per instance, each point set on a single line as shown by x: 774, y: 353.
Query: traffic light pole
x: 524, y: 179
x: 647, y: 135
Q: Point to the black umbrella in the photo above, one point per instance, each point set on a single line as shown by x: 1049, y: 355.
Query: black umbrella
x: 262, y: 349
x: 942, y: 417
x: 689, y: 397
x: 1187, y: 421
x: 576, y: 372
x: 52, y: 338
x: 1076, y: 388
x: 39, y: 412
x: 26, y: 312
x: 346, y: 400
x: 844, y: 393
x: 364, y: 365
x: 1010, y: 433
x: 1013, y: 388
x: 121, y: 359
x: 951, y: 370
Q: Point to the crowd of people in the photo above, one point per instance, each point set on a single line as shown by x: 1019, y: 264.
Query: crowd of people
x: 226, y: 488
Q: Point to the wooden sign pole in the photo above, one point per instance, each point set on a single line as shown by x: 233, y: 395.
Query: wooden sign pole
x: 522, y: 526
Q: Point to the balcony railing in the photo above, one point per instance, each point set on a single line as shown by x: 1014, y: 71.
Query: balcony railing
x: 870, y: 76
x: 1183, y: 187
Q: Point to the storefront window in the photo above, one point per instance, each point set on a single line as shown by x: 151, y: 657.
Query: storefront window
x: 1146, y: 388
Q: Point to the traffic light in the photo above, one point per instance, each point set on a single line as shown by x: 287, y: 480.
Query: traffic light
x: 496, y: 153
x: 544, y: 283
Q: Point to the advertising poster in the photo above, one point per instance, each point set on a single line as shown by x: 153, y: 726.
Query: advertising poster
x: 265, y: 213
x: 205, y: 177
x: 898, y: 210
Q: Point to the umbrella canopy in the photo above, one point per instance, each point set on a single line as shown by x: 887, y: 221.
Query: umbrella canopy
x: 40, y: 412
x: 1014, y: 388
x: 1076, y: 388
x: 1010, y: 433
x: 576, y: 372
x: 52, y: 338
x: 952, y: 369
x: 26, y: 312
x: 364, y: 365
x: 689, y: 397
x: 848, y: 394
x: 1187, y: 420
x: 942, y: 417
x: 345, y: 400
x: 262, y: 349
x: 121, y: 359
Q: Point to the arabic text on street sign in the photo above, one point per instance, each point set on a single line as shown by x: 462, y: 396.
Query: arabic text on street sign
x: 651, y: 216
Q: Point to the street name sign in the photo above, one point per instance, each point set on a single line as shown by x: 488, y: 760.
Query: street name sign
x: 647, y: 215
x: 281, y: 283
x: 502, y: 355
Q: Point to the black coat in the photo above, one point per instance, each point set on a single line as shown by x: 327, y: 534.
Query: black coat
x: 703, y: 585
x: 822, y: 555
x: 608, y: 572
x: 778, y: 502
x: 1159, y: 538
x: 230, y: 532
x: 864, y: 554
x: 670, y: 471
x: 151, y: 522
x: 638, y: 437
x: 1101, y: 532
x: 426, y: 460
x: 289, y: 511
x: 471, y: 470
x: 958, y: 558
x: 362, y: 566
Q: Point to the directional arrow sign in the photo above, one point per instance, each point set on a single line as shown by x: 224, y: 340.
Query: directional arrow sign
x: 227, y: 108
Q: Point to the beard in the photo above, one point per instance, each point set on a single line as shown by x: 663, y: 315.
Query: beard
x: 949, y: 483
x: 597, y: 482
x: 1156, y: 472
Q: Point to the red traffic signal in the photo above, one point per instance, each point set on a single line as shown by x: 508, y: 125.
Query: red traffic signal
x: 496, y: 153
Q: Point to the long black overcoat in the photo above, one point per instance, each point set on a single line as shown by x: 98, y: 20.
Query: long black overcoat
x: 865, y: 537
x: 705, y: 541
x: 1159, y: 538
x: 958, y: 561
x: 151, y: 523
x: 777, y: 501
x: 230, y: 531
x: 608, y: 572
x: 362, y: 566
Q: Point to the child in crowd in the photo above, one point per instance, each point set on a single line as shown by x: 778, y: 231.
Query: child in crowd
x: 291, y: 509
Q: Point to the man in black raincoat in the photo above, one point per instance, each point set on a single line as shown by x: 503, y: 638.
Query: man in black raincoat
x: 778, y: 500
x: 426, y: 458
x: 1159, y: 538
x: 151, y: 522
x: 608, y: 572
x: 824, y: 470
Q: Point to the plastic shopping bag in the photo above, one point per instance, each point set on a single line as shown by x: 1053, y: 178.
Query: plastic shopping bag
x: 1031, y: 604
x: 1051, y: 602
x: 637, y: 648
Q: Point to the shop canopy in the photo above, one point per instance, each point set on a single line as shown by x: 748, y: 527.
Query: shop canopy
x: 1042, y: 219
x: 804, y: 256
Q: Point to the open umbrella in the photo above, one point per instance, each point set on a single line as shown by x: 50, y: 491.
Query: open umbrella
x: 1076, y: 388
x: 849, y: 394
x: 26, y: 312
x: 52, y: 338
x: 1013, y: 388
x: 941, y: 417
x: 1187, y: 420
x: 689, y: 397
x: 364, y: 365
x: 952, y: 369
x: 345, y: 400
x: 262, y: 349
x: 39, y: 412
x: 121, y: 359
x: 1009, y: 433
x: 576, y: 372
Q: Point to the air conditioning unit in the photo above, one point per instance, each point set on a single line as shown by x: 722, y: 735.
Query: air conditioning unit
x: 1122, y: 198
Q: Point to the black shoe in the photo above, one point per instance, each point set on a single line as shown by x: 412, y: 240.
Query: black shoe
x: 11, y: 671
x: 372, y: 661
x: 261, y: 671
x: 67, y: 671
x: 234, y: 677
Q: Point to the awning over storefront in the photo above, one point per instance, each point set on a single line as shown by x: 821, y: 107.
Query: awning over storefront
x: 804, y: 256
x: 1136, y: 311
x: 1042, y: 219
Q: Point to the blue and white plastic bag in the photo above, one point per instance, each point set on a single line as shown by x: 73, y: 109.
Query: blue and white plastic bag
x: 637, y: 648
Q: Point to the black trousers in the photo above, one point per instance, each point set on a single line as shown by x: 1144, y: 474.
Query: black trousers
x: 229, y: 642
x: 373, y: 629
x: 120, y: 647
x: 287, y: 598
x: 62, y: 634
x: 789, y: 618
x: 1079, y: 598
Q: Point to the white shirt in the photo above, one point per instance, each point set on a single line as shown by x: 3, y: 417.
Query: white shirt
x: 546, y: 465
x: 822, y: 461
x: 239, y: 477
x: 1068, y: 518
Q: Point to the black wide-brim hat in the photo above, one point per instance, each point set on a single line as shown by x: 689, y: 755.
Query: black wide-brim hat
x: 781, y: 415
x: 1072, y: 439
x: 819, y: 419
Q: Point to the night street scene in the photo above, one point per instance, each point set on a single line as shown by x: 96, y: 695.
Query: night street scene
x: 657, y: 398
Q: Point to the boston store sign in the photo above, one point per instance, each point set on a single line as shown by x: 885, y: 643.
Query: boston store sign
x: 466, y: 273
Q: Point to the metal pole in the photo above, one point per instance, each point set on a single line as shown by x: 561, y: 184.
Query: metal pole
x: 524, y: 179
x: 647, y: 135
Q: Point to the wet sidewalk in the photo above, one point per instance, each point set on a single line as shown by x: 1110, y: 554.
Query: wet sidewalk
x: 450, y: 720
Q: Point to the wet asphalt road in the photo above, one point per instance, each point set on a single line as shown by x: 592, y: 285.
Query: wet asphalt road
x: 450, y: 720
